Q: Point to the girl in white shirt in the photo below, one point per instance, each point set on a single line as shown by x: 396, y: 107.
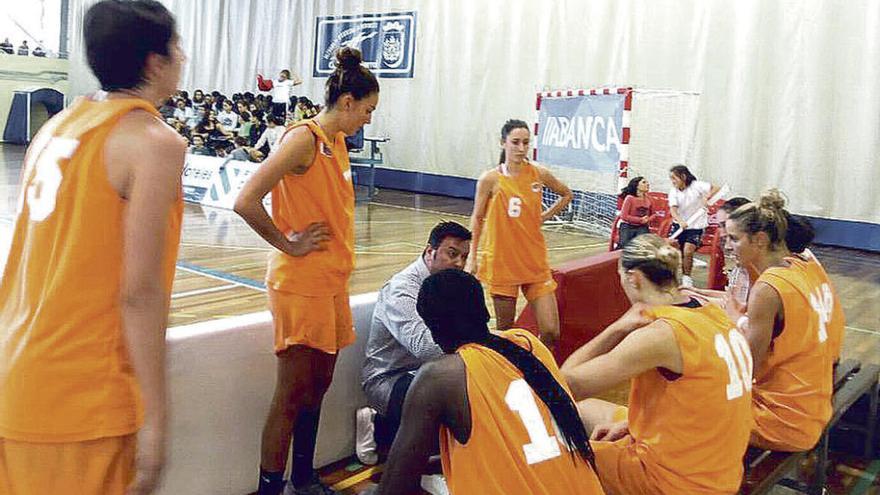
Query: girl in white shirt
x: 688, y: 202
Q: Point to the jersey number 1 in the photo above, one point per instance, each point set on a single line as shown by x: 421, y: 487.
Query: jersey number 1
x: 542, y: 446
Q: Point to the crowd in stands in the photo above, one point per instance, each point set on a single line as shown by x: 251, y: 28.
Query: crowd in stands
x: 245, y: 126
x: 24, y: 50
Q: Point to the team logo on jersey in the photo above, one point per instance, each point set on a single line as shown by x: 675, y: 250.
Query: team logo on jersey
x: 536, y: 187
x: 326, y: 150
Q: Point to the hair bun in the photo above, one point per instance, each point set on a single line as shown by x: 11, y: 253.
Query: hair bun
x: 348, y: 58
x: 772, y: 199
x: 668, y: 255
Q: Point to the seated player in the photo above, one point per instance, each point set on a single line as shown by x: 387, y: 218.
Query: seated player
x: 399, y: 341
x: 689, y: 418
x: 505, y: 420
x: 794, y: 326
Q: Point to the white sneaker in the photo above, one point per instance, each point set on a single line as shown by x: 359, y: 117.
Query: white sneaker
x: 687, y: 281
x: 435, y: 484
x: 365, y: 439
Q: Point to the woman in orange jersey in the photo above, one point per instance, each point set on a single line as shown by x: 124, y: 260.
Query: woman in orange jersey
x: 84, y: 296
x: 688, y: 422
x: 507, y: 218
x: 506, y: 422
x: 794, y: 326
x: 312, y: 227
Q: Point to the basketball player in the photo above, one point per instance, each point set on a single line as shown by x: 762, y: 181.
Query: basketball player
x: 689, y: 418
x: 85, y: 293
x: 312, y: 227
x: 794, y: 326
x: 495, y: 401
x: 507, y: 218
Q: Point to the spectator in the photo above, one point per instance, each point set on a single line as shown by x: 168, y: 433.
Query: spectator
x: 241, y: 107
x: 282, y: 88
x: 272, y: 134
x: 257, y: 127
x: 242, y: 152
x: 6, y: 47
x: 24, y: 49
x: 38, y: 51
x: 183, y: 113
x: 227, y: 118
x: 198, y: 100
x: 636, y: 212
x: 244, y: 126
x: 198, y: 146
x: 167, y: 109
x: 196, y: 117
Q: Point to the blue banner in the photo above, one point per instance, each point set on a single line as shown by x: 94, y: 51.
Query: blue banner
x: 581, y: 132
x: 387, y: 41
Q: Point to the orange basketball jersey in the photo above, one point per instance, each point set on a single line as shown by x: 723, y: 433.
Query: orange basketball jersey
x: 323, y: 194
x: 691, y: 430
x: 793, y: 387
x: 514, y: 446
x: 512, y: 248
x: 65, y: 374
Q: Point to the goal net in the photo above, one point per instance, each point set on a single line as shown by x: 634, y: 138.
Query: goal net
x: 595, y: 140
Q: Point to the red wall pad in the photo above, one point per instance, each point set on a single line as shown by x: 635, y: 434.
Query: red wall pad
x: 589, y: 298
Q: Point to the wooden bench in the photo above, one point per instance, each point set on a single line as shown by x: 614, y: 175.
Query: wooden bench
x: 764, y: 468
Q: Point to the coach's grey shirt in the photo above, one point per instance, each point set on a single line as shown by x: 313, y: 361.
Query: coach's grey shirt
x: 399, y: 340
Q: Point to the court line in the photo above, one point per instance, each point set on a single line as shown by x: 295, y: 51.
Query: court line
x: 422, y: 210
x: 864, y: 330
x: 222, y: 246
x: 219, y: 275
x: 206, y: 290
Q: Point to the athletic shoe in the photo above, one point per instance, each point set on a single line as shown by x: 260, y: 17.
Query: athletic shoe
x: 315, y: 487
x: 687, y: 282
x: 365, y: 438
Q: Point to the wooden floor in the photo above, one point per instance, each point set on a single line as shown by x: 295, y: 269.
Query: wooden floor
x: 222, y: 262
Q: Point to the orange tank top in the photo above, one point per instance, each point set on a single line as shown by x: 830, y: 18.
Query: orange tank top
x: 512, y: 248
x: 793, y: 386
x: 323, y: 194
x: 514, y: 446
x: 65, y: 373
x: 691, y: 430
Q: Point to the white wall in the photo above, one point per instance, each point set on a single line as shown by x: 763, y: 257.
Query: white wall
x: 790, y: 88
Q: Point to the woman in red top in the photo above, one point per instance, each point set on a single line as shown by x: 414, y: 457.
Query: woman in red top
x: 636, y: 212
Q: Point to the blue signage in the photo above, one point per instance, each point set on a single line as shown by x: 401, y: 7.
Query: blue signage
x: 387, y: 42
x: 581, y: 132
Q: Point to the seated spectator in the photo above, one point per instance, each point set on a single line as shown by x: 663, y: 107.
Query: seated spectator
x: 198, y: 146
x: 38, y: 52
x: 183, y: 113
x: 272, y: 135
x: 24, y: 49
x: 244, y: 126
x: 227, y: 118
x: 242, y: 152
x: 181, y: 129
x: 257, y: 127
x: 241, y: 107
x: 197, y: 116
x: 198, y: 100
x: 6, y: 47
x: 636, y: 212
x: 167, y: 109
x: 399, y: 341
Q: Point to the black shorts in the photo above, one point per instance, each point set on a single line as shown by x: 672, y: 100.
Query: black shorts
x: 690, y: 236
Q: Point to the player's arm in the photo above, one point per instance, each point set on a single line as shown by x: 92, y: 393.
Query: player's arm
x: 144, y: 158
x: 673, y: 212
x: 713, y: 190
x: 437, y: 396
x: 634, y: 318
x: 764, y: 307
x: 652, y: 346
x: 559, y: 188
x: 485, y: 187
x: 294, y: 155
